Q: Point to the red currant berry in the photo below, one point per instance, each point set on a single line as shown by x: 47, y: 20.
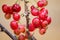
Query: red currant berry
x: 16, y: 17
x: 36, y: 22
x: 22, y: 28
x: 7, y: 16
x: 42, y: 16
x: 44, y: 10
x: 14, y: 25
x: 42, y: 31
x: 21, y: 37
x: 45, y: 2
x: 31, y: 27
x: 16, y: 7
x: 5, y: 8
x: 35, y: 12
x: 48, y: 20
x: 44, y: 23
x: 40, y: 4
x: 43, y: 13
x: 17, y: 31
x: 32, y: 7
x: 10, y: 9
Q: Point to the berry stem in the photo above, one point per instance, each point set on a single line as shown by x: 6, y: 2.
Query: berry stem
x: 16, y: 1
x: 35, y: 1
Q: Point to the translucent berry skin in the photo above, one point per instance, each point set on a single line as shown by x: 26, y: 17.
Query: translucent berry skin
x: 5, y: 8
x: 42, y: 31
x: 44, y: 23
x: 45, y: 2
x: 10, y: 9
x: 32, y: 7
x: 14, y: 25
x: 35, y: 12
x: 36, y: 22
x: 22, y: 28
x: 16, y: 8
x: 7, y: 16
x: 40, y: 4
x: 21, y: 37
x: 48, y: 19
x: 17, y: 31
x: 31, y: 27
x: 43, y: 13
x: 16, y: 17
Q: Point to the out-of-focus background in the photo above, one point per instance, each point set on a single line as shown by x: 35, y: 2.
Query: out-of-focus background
x: 53, y: 31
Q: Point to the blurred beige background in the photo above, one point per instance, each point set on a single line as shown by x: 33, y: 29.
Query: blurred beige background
x: 53, y: 31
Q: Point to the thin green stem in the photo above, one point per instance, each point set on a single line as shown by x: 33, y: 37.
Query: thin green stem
x: 16, y: 1
x: 35, y: 1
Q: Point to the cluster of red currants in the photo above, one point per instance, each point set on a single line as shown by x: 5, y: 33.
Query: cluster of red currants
x: 13, y: 10
x: 42, y: 20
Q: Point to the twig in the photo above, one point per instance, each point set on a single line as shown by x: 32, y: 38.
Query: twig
x: 7, y: 32
x: 27, y: 20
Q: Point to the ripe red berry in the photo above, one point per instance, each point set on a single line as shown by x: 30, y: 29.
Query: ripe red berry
x: 7, y: 16
x: 35, y: 12
x: 16, y: 17
x: 14, y: 25
x: 22, y: 28
x: 5, y: 8
x: 43, y: 13
x: 21, y: 37
x: 32, y: 7
x: 45, y: 2
x: 40, y: 4
x: 36, y: 22
x: 48, y: 19
x: 17, y: 31
x: 44, y: 23
x: 42, y: 16
x: 44, y: 10
x: 10, y: 9
x: 16, y: 7
x: 31, y: 27
x: 42, y: 31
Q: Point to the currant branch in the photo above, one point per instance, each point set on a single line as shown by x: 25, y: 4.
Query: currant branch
x: 27, y: 20
x: 3, y: 29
